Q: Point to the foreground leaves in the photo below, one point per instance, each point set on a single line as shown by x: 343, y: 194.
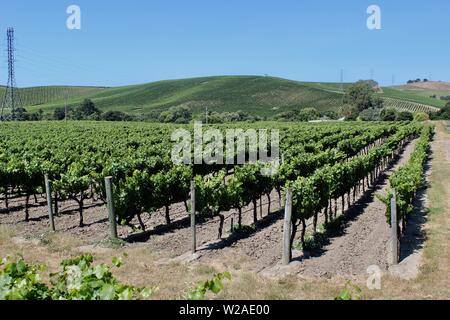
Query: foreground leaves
x: 215, y: 285
x: 79, y: 279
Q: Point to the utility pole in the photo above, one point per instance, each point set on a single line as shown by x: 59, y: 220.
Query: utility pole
x: 11, y: 100
x: 65, y: 109
x: 342, y: 86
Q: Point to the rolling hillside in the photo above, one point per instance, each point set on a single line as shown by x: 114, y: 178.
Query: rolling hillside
x: 263, y: 96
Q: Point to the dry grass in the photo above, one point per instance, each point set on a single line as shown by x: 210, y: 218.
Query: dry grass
x: 6, y: 233
x: 59, y: 242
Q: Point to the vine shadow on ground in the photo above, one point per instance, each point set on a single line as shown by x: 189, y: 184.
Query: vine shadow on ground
x: 159, y: 230
x: 244, y: 233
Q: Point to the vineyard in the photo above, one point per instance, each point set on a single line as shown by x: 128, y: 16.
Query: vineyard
x: 418, y: 96
x: 409, y: 106
x: 38, y: 96
x: 320, y: 163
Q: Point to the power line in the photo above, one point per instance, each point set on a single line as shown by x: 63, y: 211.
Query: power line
x: 61, y: 61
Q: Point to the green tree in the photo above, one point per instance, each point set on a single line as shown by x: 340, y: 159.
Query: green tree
x: 350, y: 112
x: 22, y: 114
x: 308, y: 114
x: 88, y: 108
x: 404, y: 116
x: 59, y: 114
x: 180, y: 114
x: 388, y: 114
x: 444, y: 113
x: 361, y: 95
x: 331, y: 114
x: 371, y: 114
x: 290, y: 115
x: 115, y: 116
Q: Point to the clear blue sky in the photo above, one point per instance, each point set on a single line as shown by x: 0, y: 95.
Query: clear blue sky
x: 137, y: 41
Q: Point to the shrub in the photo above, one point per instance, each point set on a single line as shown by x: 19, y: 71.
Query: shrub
x: 404, y: 116
x: 115, y: 116
x: 388, y: 114
x: 371, y: 114
x: 421, y: 116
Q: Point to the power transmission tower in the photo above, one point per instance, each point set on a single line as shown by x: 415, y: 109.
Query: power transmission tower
x: 11, y: 100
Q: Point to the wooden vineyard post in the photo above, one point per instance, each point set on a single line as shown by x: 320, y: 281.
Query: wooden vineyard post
x: 193, y: 228
x: 394, y: 229
x: 287, y: 229
x: 48, y: 190
x: 110, y: 204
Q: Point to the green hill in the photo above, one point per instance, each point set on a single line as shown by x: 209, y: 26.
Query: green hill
x: 264, y: 96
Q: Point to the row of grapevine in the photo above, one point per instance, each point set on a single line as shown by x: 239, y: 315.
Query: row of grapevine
x: 246, y: 186
x: 409, y: 178
x: 409, y: 106
x: 314, y: 193
x: 78, y: 157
